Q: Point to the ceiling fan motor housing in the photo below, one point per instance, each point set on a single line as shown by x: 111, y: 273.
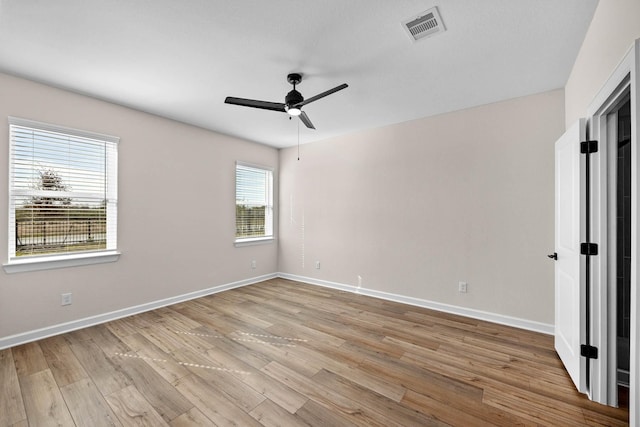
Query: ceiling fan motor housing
x: 294, y: 97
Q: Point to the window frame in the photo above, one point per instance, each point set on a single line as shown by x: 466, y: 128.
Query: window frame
x: 269, y: 210
x: 16, y: 264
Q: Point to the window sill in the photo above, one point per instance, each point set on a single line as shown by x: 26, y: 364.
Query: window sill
x: 254, y: 241
x: 59, y: 261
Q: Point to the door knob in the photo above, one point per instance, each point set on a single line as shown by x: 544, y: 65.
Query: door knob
x: 553, y: 256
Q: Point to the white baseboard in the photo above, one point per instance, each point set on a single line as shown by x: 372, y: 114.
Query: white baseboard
x: 62, y: 328
x: 461, y: 311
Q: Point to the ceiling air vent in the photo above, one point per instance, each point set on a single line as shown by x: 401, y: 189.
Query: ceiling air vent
x: 424, y: 25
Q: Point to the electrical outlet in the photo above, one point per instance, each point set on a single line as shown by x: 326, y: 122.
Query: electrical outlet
x: 317, y: 265
x: 359, y: 282
x: 462, y: 287
x: 65, y: 299
x: 253, y: 264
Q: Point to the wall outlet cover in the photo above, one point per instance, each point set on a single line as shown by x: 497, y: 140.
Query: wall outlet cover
x: 66, y: 299
x: 462, y: 287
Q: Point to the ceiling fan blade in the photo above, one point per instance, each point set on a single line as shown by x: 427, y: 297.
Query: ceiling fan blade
x: 264, y: 105
x: 305, y: 119
x: 323, y: 94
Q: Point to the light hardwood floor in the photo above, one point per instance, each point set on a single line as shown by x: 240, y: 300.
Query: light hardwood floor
x: 282, y: 353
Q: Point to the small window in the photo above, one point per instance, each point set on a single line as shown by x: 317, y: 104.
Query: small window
x: 62, y: 191
x: 254, y: 203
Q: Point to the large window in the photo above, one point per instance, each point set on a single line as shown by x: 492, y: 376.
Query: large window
x: 62, y: 191
x: 254, y: 203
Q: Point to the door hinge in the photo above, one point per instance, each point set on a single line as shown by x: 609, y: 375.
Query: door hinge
x: 589, y: 147
x: 589, y: 351
x: 588, y: 249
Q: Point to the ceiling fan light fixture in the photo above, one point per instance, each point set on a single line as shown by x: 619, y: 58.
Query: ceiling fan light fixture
x: 293, y: 111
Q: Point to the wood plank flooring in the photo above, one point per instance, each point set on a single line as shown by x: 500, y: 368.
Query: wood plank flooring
x: 282, y: 353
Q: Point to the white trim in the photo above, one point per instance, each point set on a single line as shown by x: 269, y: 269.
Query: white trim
x: 254, y: 166
x: 515, y: 322
x: 17, y: 121
x: 603, y: 387
x: 608, y: 130
x: 634, y: 373
x: 253, y: 241
x: 62, y: 328
x: 21, y: 265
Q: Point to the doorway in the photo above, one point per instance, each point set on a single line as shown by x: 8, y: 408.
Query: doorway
x: 623, y: 241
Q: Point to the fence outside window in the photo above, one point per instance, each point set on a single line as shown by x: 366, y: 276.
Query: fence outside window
x: 60, y: 236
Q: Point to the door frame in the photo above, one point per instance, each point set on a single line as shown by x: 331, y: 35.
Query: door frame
x: 603, y: 386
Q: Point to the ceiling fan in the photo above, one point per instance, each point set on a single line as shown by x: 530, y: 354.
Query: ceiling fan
x: 293, y: 102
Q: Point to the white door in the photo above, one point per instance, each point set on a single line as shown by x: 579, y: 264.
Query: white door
x: 570, y: 325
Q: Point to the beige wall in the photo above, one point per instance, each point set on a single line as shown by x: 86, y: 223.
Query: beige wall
x: 416, y: 207
x: 615, y: 25
x: 176, y: 212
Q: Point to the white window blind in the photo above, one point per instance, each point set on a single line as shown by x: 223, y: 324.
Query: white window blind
x: 62, y: 190
x: 254, y: 202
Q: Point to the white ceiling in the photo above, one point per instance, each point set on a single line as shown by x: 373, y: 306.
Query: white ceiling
x: 180, y: 59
